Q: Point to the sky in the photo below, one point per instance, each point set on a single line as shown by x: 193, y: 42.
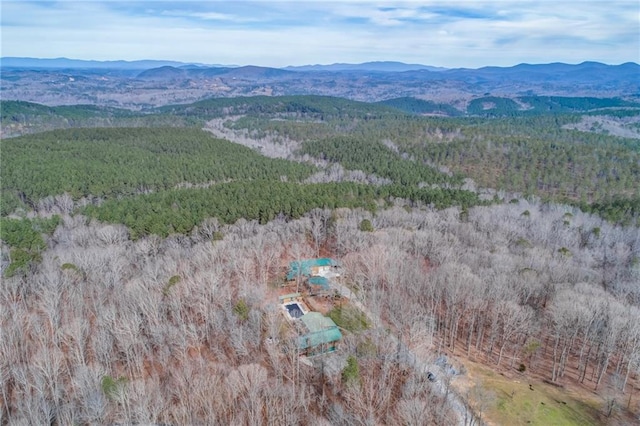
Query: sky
x: 450, y: 34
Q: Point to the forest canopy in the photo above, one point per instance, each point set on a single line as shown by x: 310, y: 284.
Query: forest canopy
x: 179, y: 211
x: 524, y: 147
x: 127, y: 161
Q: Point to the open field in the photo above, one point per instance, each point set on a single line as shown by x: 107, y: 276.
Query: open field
x: 523, y: 400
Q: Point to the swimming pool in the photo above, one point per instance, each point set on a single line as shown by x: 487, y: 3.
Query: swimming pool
x: 294, y: 310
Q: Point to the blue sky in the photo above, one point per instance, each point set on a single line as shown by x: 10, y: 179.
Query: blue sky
x: 279, y: 33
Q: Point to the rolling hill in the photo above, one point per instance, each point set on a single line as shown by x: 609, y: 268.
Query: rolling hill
x: 171, y: 83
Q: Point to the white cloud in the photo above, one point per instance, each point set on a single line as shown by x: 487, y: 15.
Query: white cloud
x: 442, y: 33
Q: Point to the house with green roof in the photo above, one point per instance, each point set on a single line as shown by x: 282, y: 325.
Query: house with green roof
x: 322, y: 334
x: 311, y: 267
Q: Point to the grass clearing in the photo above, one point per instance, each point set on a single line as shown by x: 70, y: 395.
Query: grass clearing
x: 349, y: 318
x: 526, y: 401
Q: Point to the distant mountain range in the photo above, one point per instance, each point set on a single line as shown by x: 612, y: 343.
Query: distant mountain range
x: 138, y: 84
x: 586, y: 72
x: 177, y: 69
x: 555, y: 72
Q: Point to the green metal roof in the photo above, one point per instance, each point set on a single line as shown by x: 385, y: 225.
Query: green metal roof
x: 321, y: 330
x: 303, y: 267
x: 321, y: 281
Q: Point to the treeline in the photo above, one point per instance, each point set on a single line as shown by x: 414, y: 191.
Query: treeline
x: 179, y: 211
x: 126, y: 161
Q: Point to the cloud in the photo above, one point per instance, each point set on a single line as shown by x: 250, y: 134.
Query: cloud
x: 211, y: 16
x: 278, y: 33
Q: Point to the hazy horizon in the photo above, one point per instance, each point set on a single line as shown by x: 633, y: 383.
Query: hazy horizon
x: 466, y: 34
x: 326, y: 64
